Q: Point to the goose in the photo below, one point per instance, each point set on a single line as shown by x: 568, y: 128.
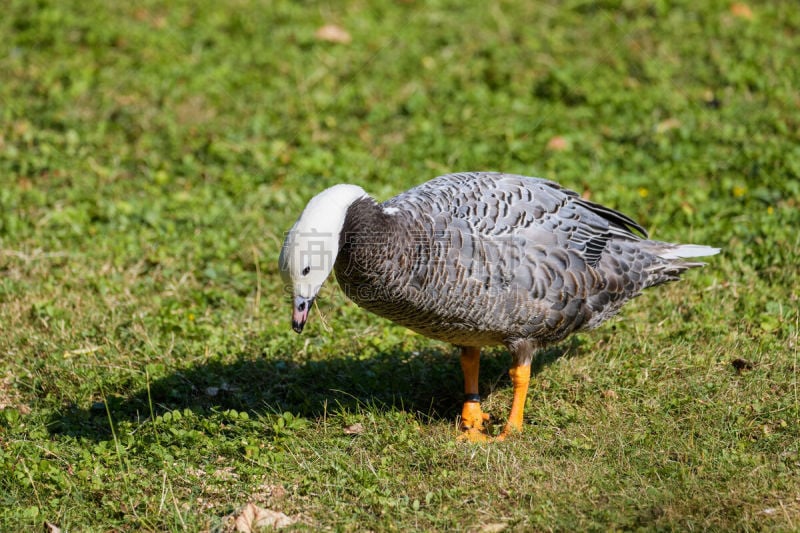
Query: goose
x: 478, y: 259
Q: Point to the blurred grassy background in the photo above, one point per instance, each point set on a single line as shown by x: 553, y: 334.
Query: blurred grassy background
x: 153, y: 153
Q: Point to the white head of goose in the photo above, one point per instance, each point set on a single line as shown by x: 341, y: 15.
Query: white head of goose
x: 479, y: 259
x: 311, y: 246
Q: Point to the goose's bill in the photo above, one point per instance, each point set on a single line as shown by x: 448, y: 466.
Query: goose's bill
x: 300, y: 312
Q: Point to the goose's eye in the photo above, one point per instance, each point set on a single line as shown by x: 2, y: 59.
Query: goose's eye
x: 306, y: 270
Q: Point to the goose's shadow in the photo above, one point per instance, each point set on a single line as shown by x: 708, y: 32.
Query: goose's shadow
x: 427, y: 382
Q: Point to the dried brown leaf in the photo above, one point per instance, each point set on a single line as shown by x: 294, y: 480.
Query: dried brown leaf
x: 253, y: 517
x: 741, y: 10
x: 354, y: 429
x: 667, y: 125
x: 333, y: 34
x: 558, y: 144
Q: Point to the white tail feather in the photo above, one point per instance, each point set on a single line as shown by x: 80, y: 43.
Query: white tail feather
x: 685, y: 251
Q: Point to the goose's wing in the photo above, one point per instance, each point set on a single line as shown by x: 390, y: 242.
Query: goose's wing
x: 485, y: 257
x: 495, y: 207
x: 572, y: 222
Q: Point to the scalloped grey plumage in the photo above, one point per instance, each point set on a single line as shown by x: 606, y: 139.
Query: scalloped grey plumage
x: 482, y: 258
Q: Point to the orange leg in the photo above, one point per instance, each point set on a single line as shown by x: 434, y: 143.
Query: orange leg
x: 520, y: 379
x: 472, y: 418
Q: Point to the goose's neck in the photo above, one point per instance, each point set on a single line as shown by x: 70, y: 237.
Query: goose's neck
x: 364, y: 216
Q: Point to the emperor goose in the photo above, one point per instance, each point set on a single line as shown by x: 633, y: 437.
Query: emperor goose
x: 478, y: 259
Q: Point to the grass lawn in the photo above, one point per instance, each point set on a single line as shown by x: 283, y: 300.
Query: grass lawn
x: 153, y: 153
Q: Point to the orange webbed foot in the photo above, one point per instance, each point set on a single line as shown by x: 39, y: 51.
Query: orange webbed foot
x: 509, y: 430
x: 482, y: 435
x: 472, y: 423
x: 474, y: 435
x: 472, y: 417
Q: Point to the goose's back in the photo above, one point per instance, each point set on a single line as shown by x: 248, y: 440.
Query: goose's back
x: 486, y: 258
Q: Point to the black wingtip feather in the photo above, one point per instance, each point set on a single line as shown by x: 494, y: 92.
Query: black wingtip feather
x: 618, y: 220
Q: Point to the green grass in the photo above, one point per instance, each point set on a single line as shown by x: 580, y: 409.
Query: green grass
x: 152, y: 155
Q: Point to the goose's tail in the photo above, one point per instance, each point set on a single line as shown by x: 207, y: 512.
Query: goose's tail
x: 686, y: 251
x: 672, y: 260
